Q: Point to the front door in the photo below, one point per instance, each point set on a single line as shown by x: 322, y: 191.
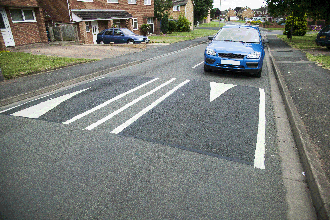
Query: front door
x: 95, y: 31
x: 5, y: 29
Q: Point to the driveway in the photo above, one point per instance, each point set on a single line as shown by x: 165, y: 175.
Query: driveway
x: 68, y: 49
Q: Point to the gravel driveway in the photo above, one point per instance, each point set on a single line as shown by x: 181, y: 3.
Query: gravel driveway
x: 79, y: 51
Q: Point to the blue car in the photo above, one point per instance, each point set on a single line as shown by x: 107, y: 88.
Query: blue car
x: 119, y: 36
x: 323, y: 37
x: 235, y: 49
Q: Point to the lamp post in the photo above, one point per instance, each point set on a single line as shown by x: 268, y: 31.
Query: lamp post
x: 219, y: 16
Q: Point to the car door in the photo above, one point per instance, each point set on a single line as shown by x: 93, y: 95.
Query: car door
x: 108, y: 36
x: 119, y: 36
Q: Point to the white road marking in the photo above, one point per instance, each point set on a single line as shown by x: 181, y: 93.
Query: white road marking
x: 37, y: 110
x: 259, y: 158
x: 135, y: 117
x: 107, y: 102
x: 217, y: 89
x: 197, y: 65
x: 127, y: 106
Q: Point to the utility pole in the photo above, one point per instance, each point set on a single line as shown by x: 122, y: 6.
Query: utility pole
x: 219, y: 16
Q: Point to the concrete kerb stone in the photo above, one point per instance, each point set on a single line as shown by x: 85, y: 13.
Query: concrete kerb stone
x: 80, y: 79
x: 316, y: 178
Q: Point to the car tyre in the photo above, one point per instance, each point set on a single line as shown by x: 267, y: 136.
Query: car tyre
x: 258, y: 74
x: 207, y: 68
x: 100, y: 42
x: 328, y: 47
x: 130, y: 41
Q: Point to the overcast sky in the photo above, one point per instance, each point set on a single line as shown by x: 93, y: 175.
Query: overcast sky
x: 226, y: 4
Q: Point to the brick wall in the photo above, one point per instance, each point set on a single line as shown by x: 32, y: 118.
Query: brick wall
x: 55, y: 10
x: 19, y: 3
x: 28, y: 32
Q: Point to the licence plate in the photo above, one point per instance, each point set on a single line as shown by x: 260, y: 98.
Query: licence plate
x: 322, y: 37
x: 231, y: 62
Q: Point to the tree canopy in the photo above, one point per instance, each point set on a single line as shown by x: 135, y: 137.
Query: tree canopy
x: 161, y: 7
x: 316, y: 9
x: 201, y: 9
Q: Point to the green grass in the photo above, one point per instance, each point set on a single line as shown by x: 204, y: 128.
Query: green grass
x: 15, y: 64
x: 212, y: 24
x: 306, y: 43
x: 181, y: 36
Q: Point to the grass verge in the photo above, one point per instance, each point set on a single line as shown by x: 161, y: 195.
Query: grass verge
x: 307, y: 44
x: 181, y: 36
x: 15, y: 64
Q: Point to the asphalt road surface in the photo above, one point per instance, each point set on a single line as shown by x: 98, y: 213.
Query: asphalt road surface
x: 156, y: 140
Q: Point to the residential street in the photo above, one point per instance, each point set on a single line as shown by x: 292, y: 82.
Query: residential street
x: 149, y: 135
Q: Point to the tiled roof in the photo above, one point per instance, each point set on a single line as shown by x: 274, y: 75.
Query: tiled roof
x: 94, y: 14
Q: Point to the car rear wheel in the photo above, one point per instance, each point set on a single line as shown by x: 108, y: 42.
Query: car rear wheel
x: 130, y: 41
x: 101, y: 42
x: 328, y: 47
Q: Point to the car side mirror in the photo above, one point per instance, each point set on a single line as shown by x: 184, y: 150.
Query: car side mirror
x: 210, y: 37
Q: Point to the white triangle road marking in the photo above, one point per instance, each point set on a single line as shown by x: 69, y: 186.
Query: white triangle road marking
x: 37, y: 110
x: 217, y: 89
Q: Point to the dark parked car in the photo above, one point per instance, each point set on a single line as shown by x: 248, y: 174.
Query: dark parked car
x: 323, y: 37
x: 236, y: 49
x: 119, y: 36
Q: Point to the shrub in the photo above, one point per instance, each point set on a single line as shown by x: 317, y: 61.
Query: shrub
x: 164, y: 24
x: 255, y: 22
x: 172, y: 26
x: 299, y: 26
x: 183, y: 24
x: 145, y: 28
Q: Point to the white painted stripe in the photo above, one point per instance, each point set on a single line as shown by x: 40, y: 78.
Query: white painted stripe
x: 127, y: 106
x: 107, y: 102
x: 259, y: 158
x: 155, y: 103
x: 217, y: 89
x: 37, y: 110
x: 197, y: 65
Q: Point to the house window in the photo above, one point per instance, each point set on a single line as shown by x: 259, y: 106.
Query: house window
x: 131, y: 1
x: 112, y: 1
x: 147, y: 2
x: 85, y: 0
x: 135, y: 24
x: 87, y: 26
x: 22, y: 15
x: 176, y: 8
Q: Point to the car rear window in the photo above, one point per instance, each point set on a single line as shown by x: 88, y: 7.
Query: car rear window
x: 246, y: 35
x: 108, y: 32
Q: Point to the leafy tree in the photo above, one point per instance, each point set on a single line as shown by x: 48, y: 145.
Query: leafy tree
x: 318, y: 9
x: 161, y: 7
x: 212, y: 12
x: 201, y: 9
x: 217, y: 13
x: 164, y: 23
x: 299, y: 25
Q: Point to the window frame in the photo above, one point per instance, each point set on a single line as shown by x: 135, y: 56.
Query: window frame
x: 85, y: 0
x: 176, y: 8
x: 147, y: 2
x: 23, y: 16
x: 112, y: 1
x: 89, y: 26
x: 135, y: 20
x: 130, y: 2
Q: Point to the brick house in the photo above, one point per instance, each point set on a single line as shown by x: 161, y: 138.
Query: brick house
x: 21, y: 22
x: 184, y: 7
x: 92, y: 16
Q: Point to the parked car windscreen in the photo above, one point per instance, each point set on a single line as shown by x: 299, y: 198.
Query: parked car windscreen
x: 246, y: 35
x: 127, y: 32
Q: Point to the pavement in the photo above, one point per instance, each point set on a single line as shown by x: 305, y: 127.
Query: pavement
x: 305, y: 90
x: 303, y: 84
